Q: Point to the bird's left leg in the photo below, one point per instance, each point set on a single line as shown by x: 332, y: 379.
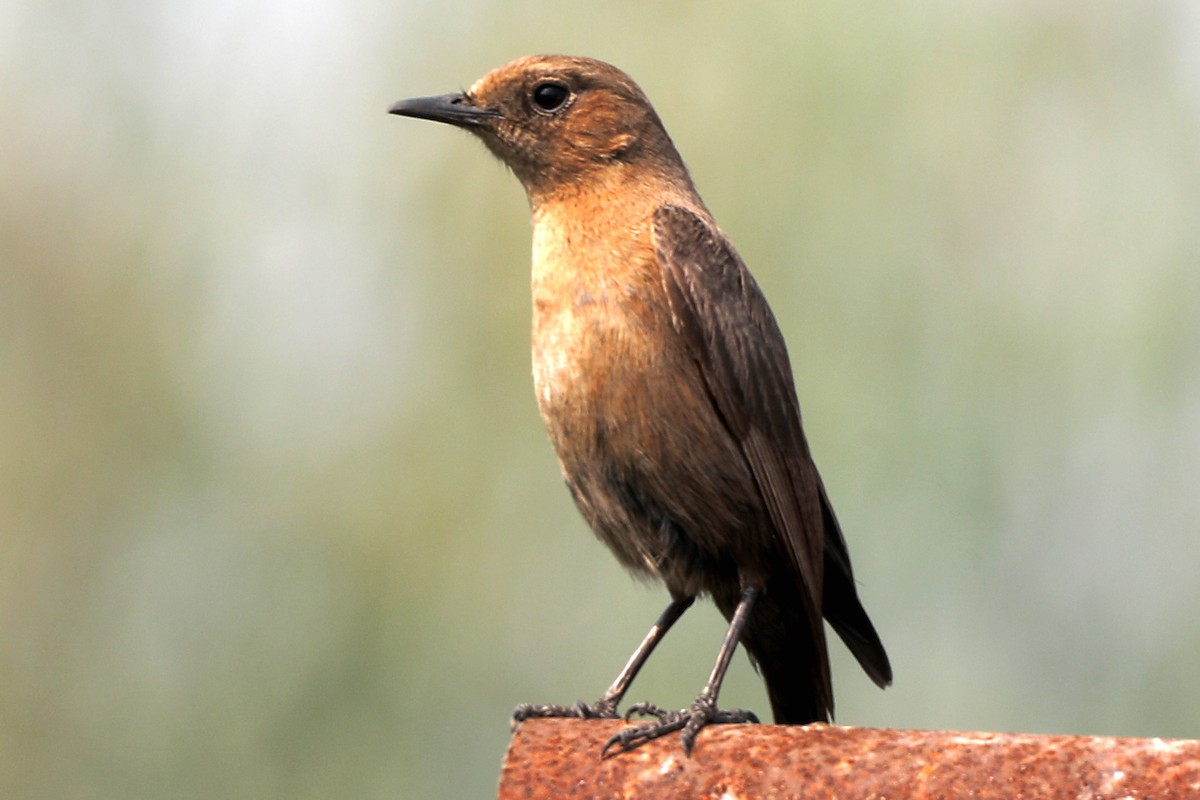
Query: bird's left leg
x: 606, y: 706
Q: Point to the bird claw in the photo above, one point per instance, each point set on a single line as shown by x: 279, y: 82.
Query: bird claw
x: 646, y: 710
x: 690, y: 720
x: 601, y: 709
x: 629, y: 738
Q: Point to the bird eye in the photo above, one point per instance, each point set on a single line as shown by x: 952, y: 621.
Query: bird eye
x: 550, y: 96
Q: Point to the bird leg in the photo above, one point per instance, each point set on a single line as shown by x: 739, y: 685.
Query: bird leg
x: 606, y: 706
x: 703, y: 710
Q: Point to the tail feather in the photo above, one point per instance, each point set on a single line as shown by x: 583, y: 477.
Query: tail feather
x: 841, y: 606
x: 788, y: 652
x: 848, y: 618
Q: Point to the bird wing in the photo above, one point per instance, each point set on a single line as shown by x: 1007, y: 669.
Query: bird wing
x: 719, y: 310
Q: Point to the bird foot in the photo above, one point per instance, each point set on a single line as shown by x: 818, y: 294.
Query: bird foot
x: 601, y: 709
x: 690, y: 720
x: 647, y: 710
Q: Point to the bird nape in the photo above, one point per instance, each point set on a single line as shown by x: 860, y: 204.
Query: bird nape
x: 666, y: 389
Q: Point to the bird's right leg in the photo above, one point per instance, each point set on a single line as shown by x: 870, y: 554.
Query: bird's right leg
x: 704, y: 709
x: 606, y: 706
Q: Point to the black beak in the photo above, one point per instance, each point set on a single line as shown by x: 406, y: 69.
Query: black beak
x: 455, y: 109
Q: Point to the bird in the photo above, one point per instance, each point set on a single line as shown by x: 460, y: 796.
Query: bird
x: 666, y: 389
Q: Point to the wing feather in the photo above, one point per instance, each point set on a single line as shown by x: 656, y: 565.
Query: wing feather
x: 719, y: 309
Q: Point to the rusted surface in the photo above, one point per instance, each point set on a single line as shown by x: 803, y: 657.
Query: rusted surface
x: 559, y: 758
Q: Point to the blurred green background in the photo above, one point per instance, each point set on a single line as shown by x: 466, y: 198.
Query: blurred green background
x: 277, y: 515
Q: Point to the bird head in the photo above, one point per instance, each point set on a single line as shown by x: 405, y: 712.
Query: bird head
x: 559, y: 122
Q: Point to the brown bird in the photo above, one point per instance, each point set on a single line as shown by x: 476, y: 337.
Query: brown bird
x: 665, y: 386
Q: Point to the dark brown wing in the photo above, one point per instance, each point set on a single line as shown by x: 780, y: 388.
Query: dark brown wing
x: 719, y: 309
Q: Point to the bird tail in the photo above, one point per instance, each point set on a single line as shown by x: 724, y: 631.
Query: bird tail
x: 789, y: 652
x: 848, y: 618
x: 841, y: 606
